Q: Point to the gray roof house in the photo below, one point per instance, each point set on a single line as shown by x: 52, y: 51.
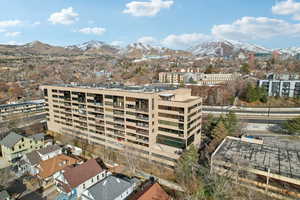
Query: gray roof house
x: 113, y: 187
x: 11, y: 139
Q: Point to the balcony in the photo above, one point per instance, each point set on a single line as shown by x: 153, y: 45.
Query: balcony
x: 142, y: 132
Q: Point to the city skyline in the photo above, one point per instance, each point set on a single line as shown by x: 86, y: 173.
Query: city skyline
x: 170, y: 23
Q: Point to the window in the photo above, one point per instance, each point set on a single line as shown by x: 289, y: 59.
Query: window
x: 97, y: 177
x: 83, y: 186
x: 92, y: 180
x: 45, y: 92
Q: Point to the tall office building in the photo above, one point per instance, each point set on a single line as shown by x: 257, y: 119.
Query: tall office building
x: 155, y: 123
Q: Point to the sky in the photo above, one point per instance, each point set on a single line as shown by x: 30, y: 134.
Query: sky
x: 177, y: 24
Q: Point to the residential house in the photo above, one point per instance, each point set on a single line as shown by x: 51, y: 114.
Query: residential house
x: 150, y: 190
x: 75, y: 180
x: 113, y: 187
x: 48, y: 170
x: 32, y: 159
x: 14, y: 145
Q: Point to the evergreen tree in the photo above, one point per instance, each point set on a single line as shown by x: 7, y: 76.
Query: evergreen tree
x: 292, y: 126
x: 231, y: 122
x: 187, y: 166
x: 220, y: 131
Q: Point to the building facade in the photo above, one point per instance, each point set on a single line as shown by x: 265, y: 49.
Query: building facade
x: 281, y: 85
x: 196, y: 78
x: 14, y: 146
x: 155, y: 123
x: 36, y: 106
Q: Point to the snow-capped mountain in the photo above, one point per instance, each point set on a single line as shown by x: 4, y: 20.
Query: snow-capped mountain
x: 95, y: 47
x: 226, y: 48
x: 292, y: 51
x: 140, y: 50
x: 93, y: 44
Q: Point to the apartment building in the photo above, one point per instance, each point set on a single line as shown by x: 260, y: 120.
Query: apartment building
x: 7, y: 110
x: 153, y: 122
x: 281, y: 85
x: 196, y: 78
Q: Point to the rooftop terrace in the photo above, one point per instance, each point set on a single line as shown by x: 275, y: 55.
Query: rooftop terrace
x: 281, y: 161
x: 142, y: 89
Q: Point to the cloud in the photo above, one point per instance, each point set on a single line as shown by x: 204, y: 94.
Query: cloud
x: 147, y: 40
x: 93, y: 31
x: 12, y: 34
x: 150, y: 8
x: 66, y: 16
x: 9, y: 23
x: 184, y: 40
x: 36, y: 23
x: 250, y: 28
x: 117, y: 43
x: 289, y: 7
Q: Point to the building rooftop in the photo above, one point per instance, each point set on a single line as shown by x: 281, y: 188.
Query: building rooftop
x: 33, y: 158
x: 11, y: 139
x: 151, y: 191
x: 48, y: 149
x: 81, y: 173
x: 281, y: 161
x: 142, y: 89
x: 55, y: 164
x: 110, y: 188
x: 37, y: 137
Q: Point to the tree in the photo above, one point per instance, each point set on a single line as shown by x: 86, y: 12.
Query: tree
x: 220, y: 131
x: 186, y: 168
x: 292, y: 126
x: 209, y: 70
x: 231, y: 122
x: 245, y: 69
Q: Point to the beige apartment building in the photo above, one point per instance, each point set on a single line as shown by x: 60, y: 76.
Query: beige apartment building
x: 154, y: 122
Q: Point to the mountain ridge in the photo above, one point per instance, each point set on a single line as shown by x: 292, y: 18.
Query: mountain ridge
x: 213, y: 48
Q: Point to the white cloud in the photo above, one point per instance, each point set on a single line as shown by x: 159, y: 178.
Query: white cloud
x: 147, y: 40
x: 66, y: 16
x: 94, y: 30
x: 249, y: 28
x: 2, y: 30
x: 9, y: 23
x: 149, y: 8
x: 12, y: 34
x: 289, y: 7
x: 117, y: 43
x: 184, y: 40
x: 36, y: 23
